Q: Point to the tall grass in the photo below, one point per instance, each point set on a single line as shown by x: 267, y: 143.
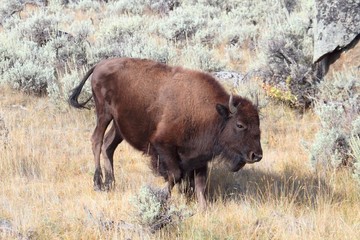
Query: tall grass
x: 47, y: 191
x: 46, y: 164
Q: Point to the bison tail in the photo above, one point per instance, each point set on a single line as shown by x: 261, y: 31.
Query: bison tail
x: 74, y: 96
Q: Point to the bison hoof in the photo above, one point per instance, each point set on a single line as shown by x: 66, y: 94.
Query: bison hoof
x: 97, y: 187
x: 108, y: 186
x: 109, y: 183
x: 98, y: 184
x: 98, y: 180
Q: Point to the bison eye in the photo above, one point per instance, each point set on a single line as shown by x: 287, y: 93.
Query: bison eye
x: 240, y: 126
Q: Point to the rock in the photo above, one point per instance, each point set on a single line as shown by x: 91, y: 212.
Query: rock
x: 348, y: 58
x: 336, y: 36
x: 229, y: 77
x: 336, y: 26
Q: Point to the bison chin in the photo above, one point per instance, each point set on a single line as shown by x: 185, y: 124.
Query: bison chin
x: 233, y: 160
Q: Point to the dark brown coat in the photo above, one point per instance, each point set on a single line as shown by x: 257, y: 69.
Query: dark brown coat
x: 181, y: 118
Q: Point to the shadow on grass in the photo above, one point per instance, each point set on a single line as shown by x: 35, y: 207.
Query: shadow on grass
x: 268, y: 187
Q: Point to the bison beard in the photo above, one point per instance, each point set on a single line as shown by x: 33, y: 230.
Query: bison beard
x: 233, y: 160
x: 181, y: 118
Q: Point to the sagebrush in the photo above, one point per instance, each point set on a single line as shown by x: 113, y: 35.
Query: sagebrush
x: 338, y: 108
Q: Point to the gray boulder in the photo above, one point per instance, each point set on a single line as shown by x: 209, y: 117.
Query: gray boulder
x: 337, y: 25
x: 229, y: 78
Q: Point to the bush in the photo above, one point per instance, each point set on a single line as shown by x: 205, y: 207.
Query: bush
x: 154, y: 211
x: 338, y: 108
x: 183, y: 23
x: 44, y: 52
x: 127, y: 6
x: 27, y: 67
x: 9, y: 8
x: 4, y: 134
x: 355, y: 148
x: 86, y: 5
x: 163, y: 6
x: 200, y: 57
x: 146, y: 46
x: 114, y: 34
x: 202, y: 34
x: 287, y: 71
x: 128, y: 36
x: 140, y: 7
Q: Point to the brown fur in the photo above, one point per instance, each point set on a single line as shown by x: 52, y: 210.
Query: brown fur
x: 178, y: 116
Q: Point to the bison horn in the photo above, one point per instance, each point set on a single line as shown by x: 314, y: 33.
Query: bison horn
x: 232, y: 107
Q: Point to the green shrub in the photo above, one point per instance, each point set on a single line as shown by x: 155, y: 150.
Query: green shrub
x: 201, y: 34
x: 28, y: 64
x: 129, y: 36
x: 127, y: 6
x: 86, y: 5
x: 114, y: 34
x: 141, y: 7
x: 200, y: 57
x: 338, y: 108
x: 4, y: 134
x: 10, y: 8
x: 35, y: 53
x: 146, y: 46
x: 153, y: 210
x: 287, y: 70
x: 355, y: 149
x: 183, y: 23
x: 163, y: 6
x: 27, y: 67
x: 224, y: 6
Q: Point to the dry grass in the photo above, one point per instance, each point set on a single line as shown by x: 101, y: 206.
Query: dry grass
x: 46, y: 177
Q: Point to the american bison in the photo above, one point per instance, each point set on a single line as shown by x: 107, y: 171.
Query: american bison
x: 181, y: 118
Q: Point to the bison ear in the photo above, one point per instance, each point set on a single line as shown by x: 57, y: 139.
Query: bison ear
x: 223, y: 111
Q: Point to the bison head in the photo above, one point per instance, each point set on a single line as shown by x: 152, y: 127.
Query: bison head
x: 239, y: 140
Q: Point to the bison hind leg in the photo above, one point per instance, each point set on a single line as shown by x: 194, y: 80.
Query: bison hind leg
x: 98, y: 179
x: 112, y: 139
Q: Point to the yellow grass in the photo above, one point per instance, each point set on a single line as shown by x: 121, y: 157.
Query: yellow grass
x: 46, y: 183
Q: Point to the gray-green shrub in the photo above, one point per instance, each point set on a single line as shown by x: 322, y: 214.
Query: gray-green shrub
x: 153, y: 210
x: 86, y: 5
x: 202, y: 34
x: 35, y: 52
x: 10, y: 8
x: 286, y: 47
x: 355, y: 148
x: 183, y: 23
x: 200, y: 57
x: 114, y: 34
x: 338, y: 108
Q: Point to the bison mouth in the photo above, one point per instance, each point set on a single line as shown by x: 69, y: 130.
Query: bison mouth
x: 237, y: 167
x: 233, y: 160
x: 236, y: 164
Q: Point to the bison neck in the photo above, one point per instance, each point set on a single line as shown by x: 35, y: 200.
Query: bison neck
x: 199, y: 150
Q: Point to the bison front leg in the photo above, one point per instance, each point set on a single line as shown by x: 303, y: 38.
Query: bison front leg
x: 200, y: 186
x: 168, y: 156
x: 187, y: 186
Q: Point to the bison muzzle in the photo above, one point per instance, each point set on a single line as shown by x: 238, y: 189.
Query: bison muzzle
x: 181, y: 118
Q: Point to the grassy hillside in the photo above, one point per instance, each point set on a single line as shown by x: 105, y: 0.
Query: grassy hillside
x: 47, y: 167
x: 46, y: 161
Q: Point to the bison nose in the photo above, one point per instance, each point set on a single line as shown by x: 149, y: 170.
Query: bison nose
x: 255, y: 157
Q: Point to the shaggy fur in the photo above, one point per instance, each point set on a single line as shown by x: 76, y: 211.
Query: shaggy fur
x: 180, y: 117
